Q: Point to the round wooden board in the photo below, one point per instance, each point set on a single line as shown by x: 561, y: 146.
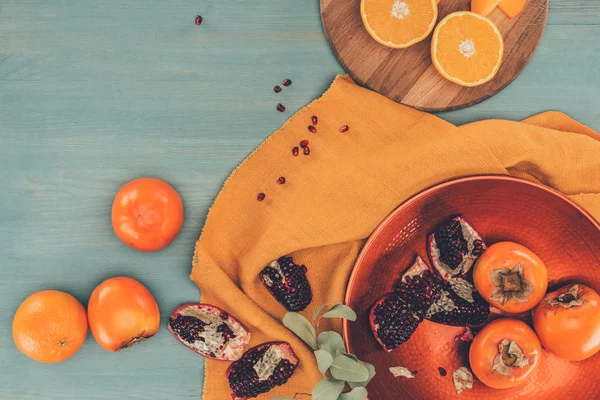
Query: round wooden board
x: 407, y: 75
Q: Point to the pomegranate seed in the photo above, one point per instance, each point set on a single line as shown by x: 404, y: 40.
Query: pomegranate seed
x: 344, y: 128
x: 314, y: 120
x: 295, y: 151
x: 312, y: 129
x: 277, y: 89
x: 286, y: 82
x: 260, y: 197
x: 281, y: 180
x: 306, y: 151
x: 198, y: 20
x: 304, y: 143
x: 280, y: 107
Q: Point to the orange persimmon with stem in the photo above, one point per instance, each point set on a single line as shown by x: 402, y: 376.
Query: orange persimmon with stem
x: 567, y: 322
x: 122, y: 312
x: 510, y: 277
x: 505, y: 353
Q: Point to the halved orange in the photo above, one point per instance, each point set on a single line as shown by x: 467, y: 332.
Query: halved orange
x: 398, y: 23
x: 467, y: 48
x: 484, y: 7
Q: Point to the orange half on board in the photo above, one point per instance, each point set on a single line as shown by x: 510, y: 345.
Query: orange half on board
x: 398, y: 23
x: 467, y: 48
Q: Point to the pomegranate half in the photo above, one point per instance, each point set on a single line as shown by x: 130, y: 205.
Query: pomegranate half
x: 454, y: 247
x: 209, y: 331
x: 261, y: 369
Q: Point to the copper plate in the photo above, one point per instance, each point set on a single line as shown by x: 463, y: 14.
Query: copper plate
x: 500, y: 208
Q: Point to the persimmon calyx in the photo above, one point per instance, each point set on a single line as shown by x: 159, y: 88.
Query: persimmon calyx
x: 571, y: 298
x: 510, y: 284
x: 509, y: 356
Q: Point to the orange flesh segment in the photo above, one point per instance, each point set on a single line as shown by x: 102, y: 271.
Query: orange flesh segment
x: 467, y: 48
x: 512, y: 8
x: 399, y: 23
x: 484, y: 7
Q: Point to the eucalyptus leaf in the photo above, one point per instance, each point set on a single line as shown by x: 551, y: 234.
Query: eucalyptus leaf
x: 318, y: 310
x: 371, y: 369
x: 346, y: 369
x: 341, y: 311
x: 324, y: 360
x: 332, y: 342
x: 328, y: 389
x: 350, y: 356
x: 301, y: 327
x: 358, y: 393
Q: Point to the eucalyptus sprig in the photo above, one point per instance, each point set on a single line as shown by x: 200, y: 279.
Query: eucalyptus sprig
x: 337, y: 365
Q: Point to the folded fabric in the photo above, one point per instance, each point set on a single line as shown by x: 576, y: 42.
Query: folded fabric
x: 334, y: 198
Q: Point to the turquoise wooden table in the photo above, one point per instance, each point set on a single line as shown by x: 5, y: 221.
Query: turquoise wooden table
x: 96, y: 93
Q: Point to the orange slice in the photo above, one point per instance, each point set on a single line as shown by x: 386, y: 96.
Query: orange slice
x: 398, y: 23
x: 484, y: 7
x: 512, y: 8
x: 467, y: 48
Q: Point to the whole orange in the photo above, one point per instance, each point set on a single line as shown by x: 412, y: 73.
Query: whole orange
x: 147, y: 214
x: 50, y: 326
x: 122, y: 313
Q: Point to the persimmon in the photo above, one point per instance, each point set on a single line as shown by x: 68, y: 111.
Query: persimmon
x: 50, y: 326
x: 505, y: 353
x: 567, y: 322
x: 122, y: 312
x: 510, y: 277
x: 147, y: 214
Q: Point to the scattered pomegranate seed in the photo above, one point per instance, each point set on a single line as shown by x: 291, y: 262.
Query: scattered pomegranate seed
x: 295, y: 151
x: 277, y: 89
x: 280, y: 107
x: 286, y: 82
x: 344, y: 128
x: 312, y: 129
x: 260, y: 197
x: 198, y: 20
x: 442, y: 371
x: 314, y: 120
x: 304, y: 143
x: 281, y: 180
x: 306, y: 151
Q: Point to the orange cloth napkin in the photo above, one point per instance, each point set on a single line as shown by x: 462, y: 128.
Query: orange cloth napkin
x: 334, y: 198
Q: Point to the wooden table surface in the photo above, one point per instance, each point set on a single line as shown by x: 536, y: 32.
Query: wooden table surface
x: 96, y: 93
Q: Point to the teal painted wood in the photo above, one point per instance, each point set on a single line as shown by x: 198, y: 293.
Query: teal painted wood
x: 95, y: 93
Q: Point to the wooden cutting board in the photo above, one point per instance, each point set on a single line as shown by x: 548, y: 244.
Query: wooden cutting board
x: 407, y: 75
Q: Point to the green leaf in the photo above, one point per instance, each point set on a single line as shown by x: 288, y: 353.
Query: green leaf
x: 350, y: 356
x: 328, y: 389
x: 332, y: 342
x: 301, y: 327
x: 346, y: 369
x: 371, y: 369
x: 341, y: 311
x: 359, y: 393
x: 318, y: 310
x: 324, y: 360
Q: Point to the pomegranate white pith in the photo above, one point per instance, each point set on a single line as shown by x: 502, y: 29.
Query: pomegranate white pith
x: 260, y: 369
x: 210, y: 341
x: 447, y: 272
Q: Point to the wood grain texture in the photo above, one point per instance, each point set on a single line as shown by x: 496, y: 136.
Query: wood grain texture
x: 407, y: 75
x: 94, y: 93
